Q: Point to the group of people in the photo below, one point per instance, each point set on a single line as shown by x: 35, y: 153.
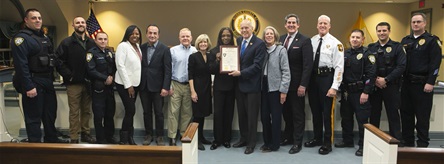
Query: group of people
x: 276, y: 72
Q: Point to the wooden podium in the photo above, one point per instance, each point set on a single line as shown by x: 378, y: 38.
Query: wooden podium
x: 5, y: 76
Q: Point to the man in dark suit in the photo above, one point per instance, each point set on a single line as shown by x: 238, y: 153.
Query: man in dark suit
x: 155, y: 83
x: 300, y: 57
x: 248, y: 91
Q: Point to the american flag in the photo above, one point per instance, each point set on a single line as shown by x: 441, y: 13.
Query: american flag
x: 92, y: 25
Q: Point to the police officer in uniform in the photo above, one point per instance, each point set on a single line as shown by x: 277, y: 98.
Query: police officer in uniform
x: 423, y: 61
x: 34, y: 64
x: 358, y: 83
x: 325, y: 80
x: 101, y: 68
x: 390, y: 61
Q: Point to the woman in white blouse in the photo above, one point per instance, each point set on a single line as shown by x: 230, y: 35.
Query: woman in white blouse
x: 128, y: 63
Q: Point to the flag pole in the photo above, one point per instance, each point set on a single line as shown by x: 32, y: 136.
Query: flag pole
x: 90, y: 6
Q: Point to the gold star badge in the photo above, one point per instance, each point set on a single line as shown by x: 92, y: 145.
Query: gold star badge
x: 18, y: 41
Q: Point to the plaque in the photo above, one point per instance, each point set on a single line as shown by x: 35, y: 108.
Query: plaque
x: 229, y: 59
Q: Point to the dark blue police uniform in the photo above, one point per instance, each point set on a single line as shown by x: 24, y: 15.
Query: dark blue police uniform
x: 390, y: 63
x: 33, y: 64
x: 423, y: 61
x: 359, y: 77
x: 101, y: 65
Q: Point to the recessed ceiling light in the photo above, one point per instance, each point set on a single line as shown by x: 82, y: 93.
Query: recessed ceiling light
x: 388, y: 1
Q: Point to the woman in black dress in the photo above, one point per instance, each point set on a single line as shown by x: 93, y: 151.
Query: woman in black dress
x: 200, y: 85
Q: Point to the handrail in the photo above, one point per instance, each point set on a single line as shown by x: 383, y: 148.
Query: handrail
x: 384, y: 136
x: 189, y: 133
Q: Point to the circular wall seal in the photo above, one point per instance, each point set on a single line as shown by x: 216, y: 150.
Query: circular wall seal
x: 239, y: 17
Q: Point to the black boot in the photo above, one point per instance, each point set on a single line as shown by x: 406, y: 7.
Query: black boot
x: 130, y: 137
x: 123, y: 138
x: 201, y: 137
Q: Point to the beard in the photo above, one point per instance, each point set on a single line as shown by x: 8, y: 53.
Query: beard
x: 78, y: 30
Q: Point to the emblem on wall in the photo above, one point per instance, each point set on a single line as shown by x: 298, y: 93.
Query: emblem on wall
x: 239, y: 17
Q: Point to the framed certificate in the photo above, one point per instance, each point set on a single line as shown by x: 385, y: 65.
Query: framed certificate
x: 229, y: 59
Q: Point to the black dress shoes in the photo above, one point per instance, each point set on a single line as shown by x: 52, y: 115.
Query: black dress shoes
x: 240, y: 144
x: 74, y: 141
x: 265, y: 149
x: 409, y: 144
x: 325, y: 149
x: 359, y: 152
x: 227, y: 144
x: 313, y: 143
x: 286, y: 142
x: 205, y: 141
x: 214, y: 146
x: 262, y: 147
x: 87, y: 138
x: 248, y: 150
x: 111, y: 140
x: 172, y: 142
x: 147, y: 140
x: 295, y: 149
x: 57, y: 141
x: 343, y: 144
x: 200, y: 146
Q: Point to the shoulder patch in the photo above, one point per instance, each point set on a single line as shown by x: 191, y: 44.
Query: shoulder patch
x: 89, y: 56
x: 110, y: 54
x: 18, y: 41
x: 439, y: 42
x: 340, y: 48
x: 372, y: 58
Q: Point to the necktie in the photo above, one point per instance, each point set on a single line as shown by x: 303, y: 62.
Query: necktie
x: 286, y: 41
x: 244, y: 45
x: 318, y: 54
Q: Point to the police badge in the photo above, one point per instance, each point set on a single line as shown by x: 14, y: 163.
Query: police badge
x: 388, y: 49
x: 359, y: 56
x: 421, y: 41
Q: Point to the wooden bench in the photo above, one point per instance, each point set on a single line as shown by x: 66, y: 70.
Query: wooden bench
x: 420, y: 155
x: 380, y: 147
x: 18, y: 153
